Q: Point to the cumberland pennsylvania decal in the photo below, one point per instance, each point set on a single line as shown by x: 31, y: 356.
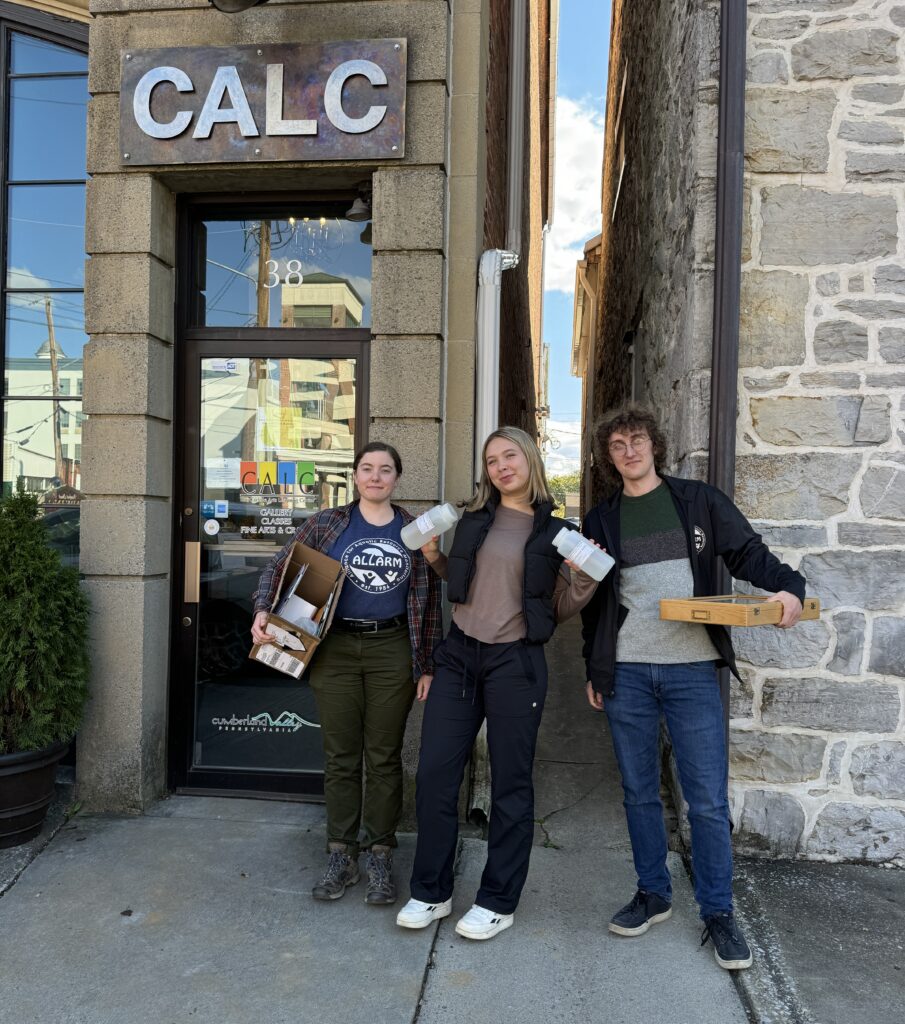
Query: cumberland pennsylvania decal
x: 288, y: 721
x: 376, y: 566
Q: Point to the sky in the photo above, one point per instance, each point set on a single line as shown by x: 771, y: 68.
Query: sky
x: 584, y: 28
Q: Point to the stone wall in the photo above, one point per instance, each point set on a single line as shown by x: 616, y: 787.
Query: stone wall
x: 818, y: 743
x: 656, y: 278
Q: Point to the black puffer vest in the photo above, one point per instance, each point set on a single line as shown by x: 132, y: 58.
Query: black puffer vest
x: 542, y: 565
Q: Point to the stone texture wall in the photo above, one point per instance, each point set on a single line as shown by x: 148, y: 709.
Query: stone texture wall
x: 656, y: 270
x: 818, y: 742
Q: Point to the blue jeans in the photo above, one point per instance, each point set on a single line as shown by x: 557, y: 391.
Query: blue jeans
x: 688, y: 696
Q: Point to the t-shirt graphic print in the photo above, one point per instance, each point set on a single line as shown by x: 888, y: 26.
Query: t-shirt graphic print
x: 378, y: 568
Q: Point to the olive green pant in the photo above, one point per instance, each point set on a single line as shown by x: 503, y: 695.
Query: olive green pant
x: 364, y: 690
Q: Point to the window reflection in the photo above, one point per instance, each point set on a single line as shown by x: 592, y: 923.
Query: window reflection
x: 30, y: 55
x: 43, y: 314
x: 46, y: 244
x: 47, y: 122
x: 306, y: 270
x: 30, y: 317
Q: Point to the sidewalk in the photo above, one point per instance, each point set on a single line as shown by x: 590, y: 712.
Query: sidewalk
x: 200, y: 913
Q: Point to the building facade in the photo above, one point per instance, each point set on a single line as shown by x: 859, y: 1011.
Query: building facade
x: 285, y: 213
x: 815, y: 428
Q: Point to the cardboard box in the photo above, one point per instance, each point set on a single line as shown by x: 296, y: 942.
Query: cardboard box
x: 294, y: 646
x: 732, y: 610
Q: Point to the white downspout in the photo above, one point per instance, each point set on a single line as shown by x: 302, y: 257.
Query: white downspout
x: 516, y: 118
x: 487, y: 357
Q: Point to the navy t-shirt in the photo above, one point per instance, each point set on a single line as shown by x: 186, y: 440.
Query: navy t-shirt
x: 378, y: 568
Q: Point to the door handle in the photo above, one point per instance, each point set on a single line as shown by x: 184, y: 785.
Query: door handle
x: 192, y: 594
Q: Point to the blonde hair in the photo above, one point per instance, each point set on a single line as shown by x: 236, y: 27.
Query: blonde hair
x: 538, y: 488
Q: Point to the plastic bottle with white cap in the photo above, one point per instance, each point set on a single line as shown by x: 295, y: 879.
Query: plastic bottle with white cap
x: 584, y: 555
x: 429, y: 524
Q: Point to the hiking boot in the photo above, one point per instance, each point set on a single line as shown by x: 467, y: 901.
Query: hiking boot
x: 381, y: 887
x: 645, y: 909
x: 729, y: 946
x: 481, y: 923
x: 341, y: 871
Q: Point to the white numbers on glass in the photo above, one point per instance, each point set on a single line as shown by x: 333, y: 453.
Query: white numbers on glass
x: 293, y: 273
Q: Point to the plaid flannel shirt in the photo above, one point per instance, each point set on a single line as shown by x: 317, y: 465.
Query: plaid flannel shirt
x: 424, y: 598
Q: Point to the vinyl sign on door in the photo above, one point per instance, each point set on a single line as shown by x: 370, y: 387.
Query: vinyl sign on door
x: 313, y: 101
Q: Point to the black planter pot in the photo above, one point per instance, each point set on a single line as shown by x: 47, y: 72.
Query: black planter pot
x: 26, y: 789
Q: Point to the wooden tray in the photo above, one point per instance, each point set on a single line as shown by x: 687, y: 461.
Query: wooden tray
x: 732, y: 610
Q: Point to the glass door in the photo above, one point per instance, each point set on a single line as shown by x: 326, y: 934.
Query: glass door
x: 272, y: 415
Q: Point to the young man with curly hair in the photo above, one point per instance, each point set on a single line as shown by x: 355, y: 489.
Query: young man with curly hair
x: 666, y: 534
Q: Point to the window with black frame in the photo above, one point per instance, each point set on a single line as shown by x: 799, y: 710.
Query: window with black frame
x: 305, y: 265
x: 44, y: 99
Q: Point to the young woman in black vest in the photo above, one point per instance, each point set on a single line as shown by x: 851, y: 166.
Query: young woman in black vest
x: 508, y: 587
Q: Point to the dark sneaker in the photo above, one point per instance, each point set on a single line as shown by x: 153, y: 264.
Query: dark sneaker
x: 729, y: 946
x: 341, y: 871
x: 381, y: 887
x: 635, y: 918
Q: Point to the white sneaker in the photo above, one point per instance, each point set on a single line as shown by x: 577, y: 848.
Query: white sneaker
x: 417, y: 914
x: 480, y: 923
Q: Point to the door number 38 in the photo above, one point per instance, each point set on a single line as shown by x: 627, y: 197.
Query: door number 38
x: 293, y: 273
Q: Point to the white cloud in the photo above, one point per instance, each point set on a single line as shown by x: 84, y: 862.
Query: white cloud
x: 579, y: 163
x: 566, y: 458
x: 22, y: 277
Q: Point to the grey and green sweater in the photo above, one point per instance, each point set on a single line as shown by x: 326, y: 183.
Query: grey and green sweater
x: 654, y: 564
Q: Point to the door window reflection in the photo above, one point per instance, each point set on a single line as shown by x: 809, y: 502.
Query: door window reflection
x: 277, y: 444
x: 307, y: 268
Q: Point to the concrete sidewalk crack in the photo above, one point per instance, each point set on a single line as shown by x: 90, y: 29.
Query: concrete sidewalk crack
x: 542, y: 822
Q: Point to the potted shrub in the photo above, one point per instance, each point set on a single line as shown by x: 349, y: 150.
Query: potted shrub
x: 43, y: 665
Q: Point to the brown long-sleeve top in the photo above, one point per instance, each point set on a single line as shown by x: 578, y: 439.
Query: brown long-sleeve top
x: 493, y: 612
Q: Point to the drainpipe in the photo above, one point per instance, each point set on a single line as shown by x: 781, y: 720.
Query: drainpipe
x: 487, y: 357
x: 516, y: 122
x: 728, y: 245
x: 727, y: 267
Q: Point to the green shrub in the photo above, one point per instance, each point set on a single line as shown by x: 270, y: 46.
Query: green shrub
x: 43, y: 633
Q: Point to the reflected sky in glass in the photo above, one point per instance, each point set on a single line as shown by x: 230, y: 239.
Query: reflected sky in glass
x: 30, y: 55
x: 48, y: 117
x: 46, y: 236
x: 317, y: 264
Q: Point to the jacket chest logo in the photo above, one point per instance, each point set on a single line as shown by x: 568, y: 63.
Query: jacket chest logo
x: 700, y: 539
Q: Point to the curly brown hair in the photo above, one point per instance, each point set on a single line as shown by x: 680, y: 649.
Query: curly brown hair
x: 627, y: 417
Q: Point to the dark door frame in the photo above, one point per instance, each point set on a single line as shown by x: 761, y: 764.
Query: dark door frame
x: 193, y: 344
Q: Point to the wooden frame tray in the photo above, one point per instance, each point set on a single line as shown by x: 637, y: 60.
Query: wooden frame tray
x: 732, y: 610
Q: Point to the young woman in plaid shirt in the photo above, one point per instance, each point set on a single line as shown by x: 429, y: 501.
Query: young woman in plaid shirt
x: 377, y: 657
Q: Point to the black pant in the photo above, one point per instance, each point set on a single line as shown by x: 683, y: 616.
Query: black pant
x: 507, y: 684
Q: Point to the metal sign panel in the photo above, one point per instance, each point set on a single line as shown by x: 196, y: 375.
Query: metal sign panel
x: 306, y: 101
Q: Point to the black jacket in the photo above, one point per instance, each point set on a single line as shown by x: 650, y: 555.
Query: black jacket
x: 542, y: 565
x: 713, y: 527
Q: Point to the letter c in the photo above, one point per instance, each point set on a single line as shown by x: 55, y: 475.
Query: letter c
x: 333, y: 96
x: 141, y: 103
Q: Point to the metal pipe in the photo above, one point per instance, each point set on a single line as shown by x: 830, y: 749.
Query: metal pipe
x: 516, y: 123
x: 727, y: 269
x: 487, y: 357
x: 728, y: 245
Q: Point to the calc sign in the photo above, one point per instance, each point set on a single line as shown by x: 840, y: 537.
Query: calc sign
x: 318, y: 101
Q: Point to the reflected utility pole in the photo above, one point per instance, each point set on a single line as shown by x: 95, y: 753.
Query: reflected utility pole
x: 52, y: 341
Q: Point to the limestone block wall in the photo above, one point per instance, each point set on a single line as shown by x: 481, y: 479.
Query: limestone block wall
x: 129, y: 438
x: 818, y: 739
